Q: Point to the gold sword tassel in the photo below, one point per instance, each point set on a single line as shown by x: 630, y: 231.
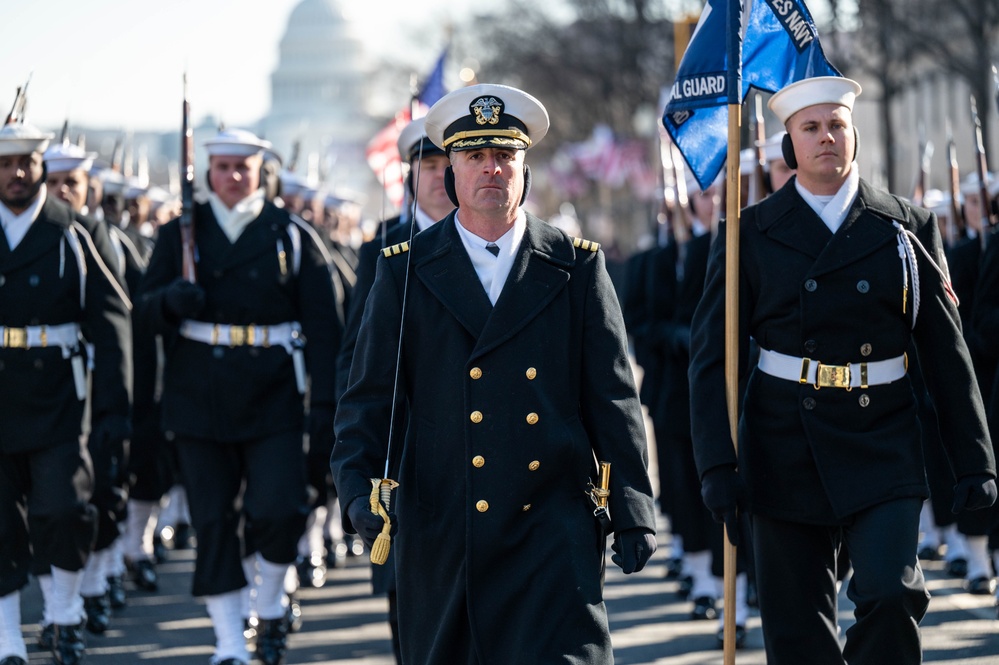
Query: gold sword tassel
x: 380, y: 500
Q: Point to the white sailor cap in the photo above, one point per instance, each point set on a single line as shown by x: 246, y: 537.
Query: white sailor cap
x: 112, y: 181
x: 414, y: 143
x: 64, y: 157
x: 937, y: 201
x: 20, y: 138
x: 772, y: 147
x: 134, y: 188
x: 236, y: 143
x: 292, y: 183
x: 487, y: 116
x: 747, y: 160
x: 972, y: 185
x: 808, y: 92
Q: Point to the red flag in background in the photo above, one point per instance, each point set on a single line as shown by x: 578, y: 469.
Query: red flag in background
x: 383, y: 157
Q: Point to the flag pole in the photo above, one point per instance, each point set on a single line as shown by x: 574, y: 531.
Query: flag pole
x: 733, y: 179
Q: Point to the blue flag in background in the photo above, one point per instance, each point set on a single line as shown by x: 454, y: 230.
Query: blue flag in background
x: 433, y: 88
x: 780, y: 46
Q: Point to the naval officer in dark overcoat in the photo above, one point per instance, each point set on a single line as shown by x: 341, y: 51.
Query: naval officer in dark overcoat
x: 255, y: 332
x: 516, y: 378
x: 836, y: 278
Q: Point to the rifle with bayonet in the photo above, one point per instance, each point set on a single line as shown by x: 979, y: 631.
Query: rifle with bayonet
x: 923, y: 174
x: 188, y: 249
x: 759, y: 187
x: 20, y: 102
x: 982, y: 166
x: 955, y: 226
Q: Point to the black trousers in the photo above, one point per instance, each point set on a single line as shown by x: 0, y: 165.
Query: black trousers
x: 796, y: 578
x: 245, y: 497
x: 44, y: 512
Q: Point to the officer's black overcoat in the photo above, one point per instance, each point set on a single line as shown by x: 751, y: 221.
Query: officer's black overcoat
x: 243, y: 393
x: 40, y: 285
x: 820, y: 455
x: 508, y: 406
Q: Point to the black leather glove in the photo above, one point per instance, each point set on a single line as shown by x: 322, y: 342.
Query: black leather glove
x: 633, y: 548
x: 109, y: 436
x: 724, y: 493
x: 183, y: 299
x: 320, y: 448
x: 366, y: 524
x: 974, y: 492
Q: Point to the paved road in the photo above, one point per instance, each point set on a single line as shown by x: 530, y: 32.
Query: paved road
x: 345, y: 624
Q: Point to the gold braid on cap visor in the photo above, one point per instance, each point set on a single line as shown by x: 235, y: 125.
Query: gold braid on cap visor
x: 515, y: 134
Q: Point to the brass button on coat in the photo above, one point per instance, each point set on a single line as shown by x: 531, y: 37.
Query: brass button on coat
x: 863, y: 286
x: 864, y: 400
x: 531, y: 373
x: 475, y: 373
x: 476, y: 417
x: 532, y: 419
x: 482, y: 506
x: 865, y: 350
x: 811, y: 285
x: 478, y: 461
x: 534, y: 466
x: 808, y: 403
x: 527, y: 507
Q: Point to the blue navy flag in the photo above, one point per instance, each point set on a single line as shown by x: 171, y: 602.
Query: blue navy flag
x: 433, y: 88
x: 780, y: 46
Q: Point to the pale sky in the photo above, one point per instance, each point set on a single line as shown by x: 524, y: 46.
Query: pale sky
x: 119, y: 63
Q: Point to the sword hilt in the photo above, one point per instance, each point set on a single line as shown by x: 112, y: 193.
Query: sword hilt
x: 379, y: 501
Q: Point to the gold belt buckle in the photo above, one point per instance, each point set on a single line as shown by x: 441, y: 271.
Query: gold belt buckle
x: 832, y: 376
x: 237, y: 336
x: 15, y: 338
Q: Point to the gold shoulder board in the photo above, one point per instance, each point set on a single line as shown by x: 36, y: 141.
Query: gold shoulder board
x: 589, y: 245
x: 401, y: 248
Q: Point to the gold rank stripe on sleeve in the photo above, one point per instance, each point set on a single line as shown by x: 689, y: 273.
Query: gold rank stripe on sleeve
x: 588, y: 245
x: 400, y: 248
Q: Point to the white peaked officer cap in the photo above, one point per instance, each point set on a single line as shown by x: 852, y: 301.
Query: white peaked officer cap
x: 292, y: 183
x: 808, y: 92
x: 113, y: 182
x: 972, y: 185
x: 771, y: 147
x: 487, y: 116
x: 19, y: 138
x: 65, y: 157
x: 414, y: 143
x: 236, y: 143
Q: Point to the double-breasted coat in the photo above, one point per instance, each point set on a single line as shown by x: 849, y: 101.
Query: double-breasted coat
x: 497, y: 551
x: 40, y: 285
x: 244, y: 393
x: 818, y: 456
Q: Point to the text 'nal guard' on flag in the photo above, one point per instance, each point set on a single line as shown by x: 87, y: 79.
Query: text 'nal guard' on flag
x: 780, y: 46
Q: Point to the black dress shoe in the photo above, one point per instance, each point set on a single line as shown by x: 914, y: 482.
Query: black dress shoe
x: 272, y: 640
x: 293, y: 614
x: 686, y: 583
x: 704, y: 608
x: 116, y: 592
x: 68, y: 647
x: 740, y: 637
x: 982, y: 586
x: 957, y: 567
x: 144, y: 575
x: 228, y: 661
x: 674, y: 568
x: 98, y: 610
x: 46, y: 637
x: 927, y: 553
x: 312, y: 571
x: 13, y: 660
x: 159, y: 549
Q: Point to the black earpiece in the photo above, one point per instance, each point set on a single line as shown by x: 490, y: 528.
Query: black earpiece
x: 787, y: 148
x: 527, y: 184
x: 208, y: 180
x: 449, y: 185
x: 410, y: 185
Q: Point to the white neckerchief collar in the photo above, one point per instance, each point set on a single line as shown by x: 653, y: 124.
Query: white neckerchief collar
x: 233, y: 221
x: 493, y: 270
x: 15, y: 227
x: 833, y: 212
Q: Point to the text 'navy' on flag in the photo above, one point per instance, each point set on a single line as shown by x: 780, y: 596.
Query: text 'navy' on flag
x: 780, y: 46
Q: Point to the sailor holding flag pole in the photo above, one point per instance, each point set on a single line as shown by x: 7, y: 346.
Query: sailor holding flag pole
x: 832, y: 279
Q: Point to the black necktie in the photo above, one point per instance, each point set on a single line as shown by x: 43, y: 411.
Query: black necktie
x: 493, y: 249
